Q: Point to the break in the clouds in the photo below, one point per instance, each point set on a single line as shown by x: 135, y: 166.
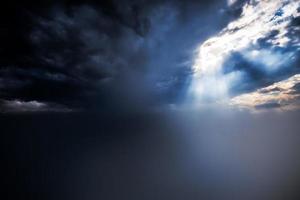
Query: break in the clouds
x: 255, y: 50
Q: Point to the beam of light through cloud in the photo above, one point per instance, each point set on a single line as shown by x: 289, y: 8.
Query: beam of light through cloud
x: 258, y: 20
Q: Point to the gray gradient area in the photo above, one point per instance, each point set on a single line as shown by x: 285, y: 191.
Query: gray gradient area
x: 169, y: 155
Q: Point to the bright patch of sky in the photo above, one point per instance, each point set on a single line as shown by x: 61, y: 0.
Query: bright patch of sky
x: 258, y: 20
x: 231, y: 2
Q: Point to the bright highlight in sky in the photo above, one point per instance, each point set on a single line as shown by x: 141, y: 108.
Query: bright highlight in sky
x: 258, y: 20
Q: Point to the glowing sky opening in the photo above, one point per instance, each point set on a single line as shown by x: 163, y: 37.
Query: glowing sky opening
x: 259, y: 19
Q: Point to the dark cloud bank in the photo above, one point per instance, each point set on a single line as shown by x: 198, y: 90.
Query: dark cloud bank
x: 83, y: 54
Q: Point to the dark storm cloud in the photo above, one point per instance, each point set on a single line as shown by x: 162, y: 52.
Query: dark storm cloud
x: 86, y: 53
x: 92, y: 46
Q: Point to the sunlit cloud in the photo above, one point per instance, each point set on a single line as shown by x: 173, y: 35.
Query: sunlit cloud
x: 260, y: 20
x: 283, y: 95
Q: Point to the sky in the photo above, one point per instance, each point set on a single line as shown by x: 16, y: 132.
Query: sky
x: 89, y: 55
x: 73, y: 55
x: 259, y: 51
x: 150, y: 99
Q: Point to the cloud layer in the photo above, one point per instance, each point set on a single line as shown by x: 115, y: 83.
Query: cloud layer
x: 101, y: 55
x: 17, y: 106
x: 128, y: 55
x: 283, y: 95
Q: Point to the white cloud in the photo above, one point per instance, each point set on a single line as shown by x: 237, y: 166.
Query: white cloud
x: 258, y: 20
